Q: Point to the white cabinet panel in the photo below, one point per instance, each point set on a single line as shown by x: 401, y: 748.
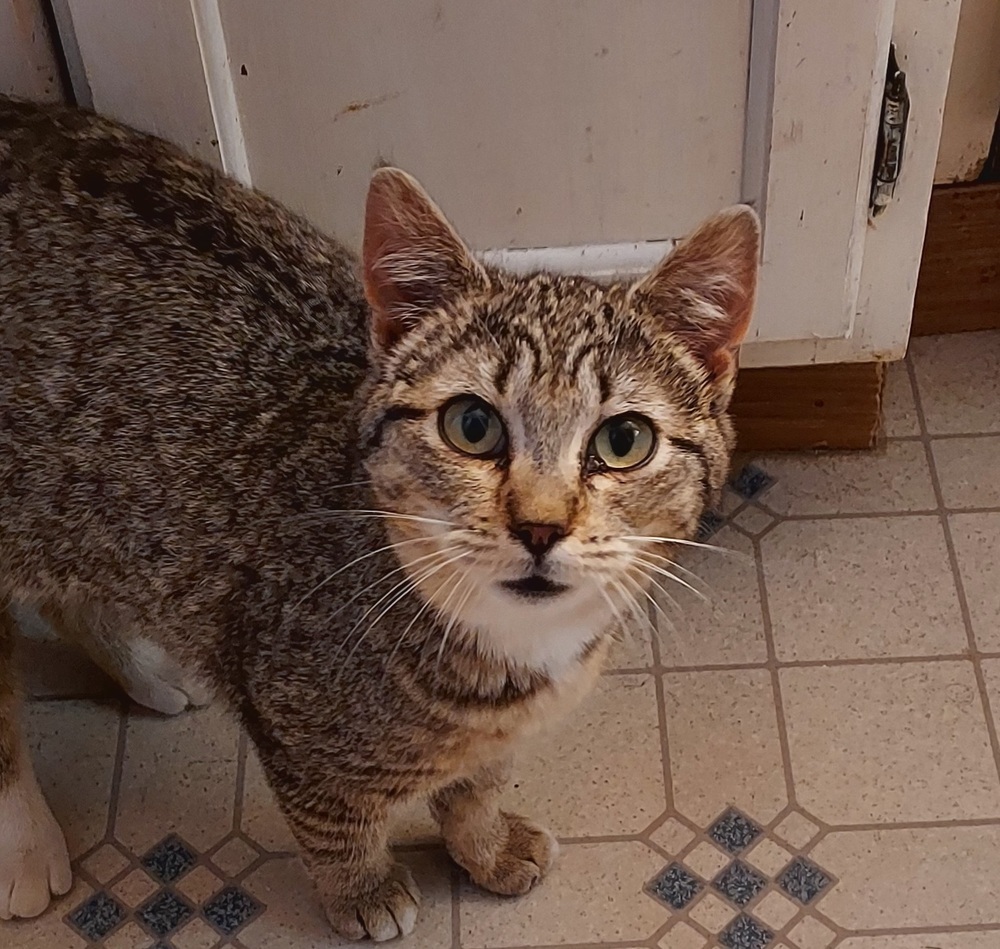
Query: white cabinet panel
x: 533, y: 123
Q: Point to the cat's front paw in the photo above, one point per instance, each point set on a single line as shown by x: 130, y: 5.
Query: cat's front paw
x: 525, y: 855
x: 34, y: 864
x: 390, y: 910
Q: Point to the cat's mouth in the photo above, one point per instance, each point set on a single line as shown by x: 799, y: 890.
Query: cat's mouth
x: 534, y: 587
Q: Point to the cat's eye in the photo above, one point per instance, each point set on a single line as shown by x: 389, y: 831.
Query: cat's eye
x: 473, y: 427
x: 622, y: 442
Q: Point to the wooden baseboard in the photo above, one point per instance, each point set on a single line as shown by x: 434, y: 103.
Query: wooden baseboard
x: 805, y: 407
x: 958, y: 289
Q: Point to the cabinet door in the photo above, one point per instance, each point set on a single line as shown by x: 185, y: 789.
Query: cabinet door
x: 579, y: 135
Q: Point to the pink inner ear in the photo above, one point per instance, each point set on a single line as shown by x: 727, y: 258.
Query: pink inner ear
x: 706, y: 288
x: 414, y: 262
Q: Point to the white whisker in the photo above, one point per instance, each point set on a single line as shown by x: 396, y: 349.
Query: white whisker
x: 690, y: 573
x: 648, y: 539
x: 385, y: 515
x: 404, y: 592
x: 656, y: 568
x: 356, y: 560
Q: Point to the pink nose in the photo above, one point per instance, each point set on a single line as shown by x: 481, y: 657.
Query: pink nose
x: 538, y: 539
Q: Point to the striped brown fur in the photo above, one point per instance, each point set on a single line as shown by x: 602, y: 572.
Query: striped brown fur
x: 198, y: 406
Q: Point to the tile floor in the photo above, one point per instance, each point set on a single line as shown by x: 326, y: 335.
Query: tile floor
x: 809, y: 762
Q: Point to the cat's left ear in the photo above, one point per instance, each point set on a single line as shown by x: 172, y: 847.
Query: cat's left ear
x: 414, y: 261
x: 705, y: 289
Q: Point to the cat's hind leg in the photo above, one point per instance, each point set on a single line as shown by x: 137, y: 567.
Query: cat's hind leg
x: 142, y: 667
x: 34, y: 863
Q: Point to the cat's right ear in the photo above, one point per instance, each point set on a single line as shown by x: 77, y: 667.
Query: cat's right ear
x: 414, y: 261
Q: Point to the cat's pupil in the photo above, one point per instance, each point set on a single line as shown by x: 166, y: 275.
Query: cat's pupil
x: 622, y: 438
x: 475, y: 424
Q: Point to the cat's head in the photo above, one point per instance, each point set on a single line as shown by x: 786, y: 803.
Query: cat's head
x: 541, y: 435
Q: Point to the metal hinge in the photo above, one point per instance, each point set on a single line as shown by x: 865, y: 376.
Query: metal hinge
x: 891, y: 136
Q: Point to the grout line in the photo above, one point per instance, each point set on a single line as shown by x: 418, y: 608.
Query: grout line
x: 116, y: 774
x: 240, y: 783
x: 661, y: 719
x: 963, y: 602
x: 772, y: 665
x: 456, y: 907
x: 943, y: 436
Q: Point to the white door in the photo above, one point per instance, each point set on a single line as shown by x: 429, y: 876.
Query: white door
x: 573, y: 134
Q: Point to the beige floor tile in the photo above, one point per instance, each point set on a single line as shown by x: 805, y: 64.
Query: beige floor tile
x: 672, y: 836
x: 106, y: 863
x: 600, y: 772
x: 796, y: 829
x: 711, y: 912
x: 959, y: 381
x: 74, y: 746
x: 939, y: 940
x: 977, y: 541
x: 197, y: 934
x: 991, y: 671
x: 294, y: 918
x: 634, y: 650
x: 199, y: 884
x: 593, y: 895
x: 682, y: 936
x: 729, y: 628
x: 861, y: 588
x: 135, y: 888
x: 962, y: 467
x: 234, y: 857
x: 893, y: 478
x: 179, y: 776
x: 724, y: 746
x: 810, y: 933
x: 890, y: 743
x: 130, y: 936
x: 768, y: 857
x: 899, y: 408
x: 753, y: 520
x: 775, y: 910
x: 706, y: 860
x: 262, y: 821
x: 894, y: 878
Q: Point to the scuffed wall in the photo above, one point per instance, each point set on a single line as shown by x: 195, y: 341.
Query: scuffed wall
x: 970, y: 111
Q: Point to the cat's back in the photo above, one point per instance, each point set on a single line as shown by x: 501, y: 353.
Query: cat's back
x: 168, y: 337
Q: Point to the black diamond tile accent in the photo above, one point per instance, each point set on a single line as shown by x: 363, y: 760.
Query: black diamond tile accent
x: 230, y: 909
x: 738, y: 883
x: 734, y: 831
x: 675, y: 886
x: 96, y: 917
x: 164, y: 912
x: 803, y: 880
x: 710, y: 523
x: 745, y: 932
x: 751, y: 482
x: 169, y: 860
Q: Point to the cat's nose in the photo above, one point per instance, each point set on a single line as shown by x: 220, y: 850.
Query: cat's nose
x: 538, y: 539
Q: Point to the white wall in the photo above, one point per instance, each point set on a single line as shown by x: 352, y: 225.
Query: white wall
x: 27, y: 65
x: 973, y: 93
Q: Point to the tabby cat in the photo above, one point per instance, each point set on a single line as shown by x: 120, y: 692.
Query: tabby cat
x: 394, y: 523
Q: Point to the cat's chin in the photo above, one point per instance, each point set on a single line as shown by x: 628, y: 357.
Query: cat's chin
x: 547, y: 631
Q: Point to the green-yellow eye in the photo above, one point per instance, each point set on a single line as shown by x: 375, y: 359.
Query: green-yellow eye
x: 622, y: 442
x: 473, y: 427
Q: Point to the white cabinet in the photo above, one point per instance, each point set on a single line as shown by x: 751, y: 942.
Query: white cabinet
x: 579, y: 134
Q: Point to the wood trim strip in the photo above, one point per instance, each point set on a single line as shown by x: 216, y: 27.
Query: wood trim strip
x: 809, y: 407
x: 958, y: 289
